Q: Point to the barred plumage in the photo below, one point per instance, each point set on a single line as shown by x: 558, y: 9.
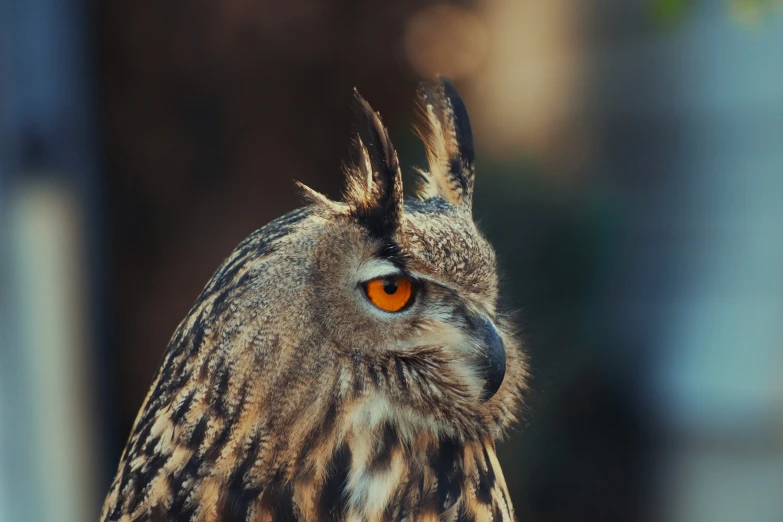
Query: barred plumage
x: 285, y: 395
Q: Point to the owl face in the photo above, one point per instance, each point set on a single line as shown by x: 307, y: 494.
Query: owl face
x: 431, y: 287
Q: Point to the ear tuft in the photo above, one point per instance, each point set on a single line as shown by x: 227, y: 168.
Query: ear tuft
x: 374, y: 184
x: 319, y: 200
x: 448, y: 139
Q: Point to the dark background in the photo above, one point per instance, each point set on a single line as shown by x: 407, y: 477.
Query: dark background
x: 629, y: 173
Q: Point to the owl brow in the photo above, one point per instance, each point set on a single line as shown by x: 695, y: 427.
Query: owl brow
x: 437, y: 282
x: 377, y: 268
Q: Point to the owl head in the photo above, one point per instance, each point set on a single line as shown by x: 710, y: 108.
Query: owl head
x: 386, y: 306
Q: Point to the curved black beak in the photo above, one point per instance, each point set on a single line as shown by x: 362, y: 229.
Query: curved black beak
x: 492, y: 360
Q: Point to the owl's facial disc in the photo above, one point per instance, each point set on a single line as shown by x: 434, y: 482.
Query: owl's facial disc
x: 472, y: 338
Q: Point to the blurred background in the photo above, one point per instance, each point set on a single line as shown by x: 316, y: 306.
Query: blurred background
x: 630, y: 174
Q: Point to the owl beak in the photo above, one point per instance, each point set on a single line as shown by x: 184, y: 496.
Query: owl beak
x: 492, y: 360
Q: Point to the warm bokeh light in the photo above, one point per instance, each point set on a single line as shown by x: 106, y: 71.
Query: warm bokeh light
x: 529, y: 94
x: 446, y: 39
x: 521, y: 64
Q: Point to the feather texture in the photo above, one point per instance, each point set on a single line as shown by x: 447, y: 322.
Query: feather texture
x: 284, y: 396
x: 448, y: 139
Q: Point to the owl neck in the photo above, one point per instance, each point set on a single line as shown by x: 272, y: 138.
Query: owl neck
x: 386, y: 474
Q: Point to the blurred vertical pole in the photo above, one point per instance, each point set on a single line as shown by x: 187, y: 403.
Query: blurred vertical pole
x: 694, y: 121
x: 48, y: 227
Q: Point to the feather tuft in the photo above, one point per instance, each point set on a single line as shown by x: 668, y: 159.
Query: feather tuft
x: 374, y: 179
x: 444, y: 127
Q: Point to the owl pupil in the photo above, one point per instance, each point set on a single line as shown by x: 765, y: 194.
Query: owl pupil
x: 390, y: 285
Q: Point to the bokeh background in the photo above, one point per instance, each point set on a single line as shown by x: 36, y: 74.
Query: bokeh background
x: 630, y: 174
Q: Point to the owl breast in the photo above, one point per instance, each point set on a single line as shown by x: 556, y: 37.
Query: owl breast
x: 393, y: 476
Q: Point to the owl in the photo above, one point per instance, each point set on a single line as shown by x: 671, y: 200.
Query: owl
x: 348, y: 361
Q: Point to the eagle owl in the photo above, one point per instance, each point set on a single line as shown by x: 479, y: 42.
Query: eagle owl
x: 348, y: 361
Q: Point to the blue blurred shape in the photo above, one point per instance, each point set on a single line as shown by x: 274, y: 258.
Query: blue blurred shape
x: 48, y: 189
x: 697, y: 119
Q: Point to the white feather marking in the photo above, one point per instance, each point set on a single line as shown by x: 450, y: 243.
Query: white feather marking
x: 376, y: 268
x: 367, y: 162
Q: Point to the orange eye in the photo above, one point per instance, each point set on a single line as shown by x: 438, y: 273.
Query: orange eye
x: 391, y: 294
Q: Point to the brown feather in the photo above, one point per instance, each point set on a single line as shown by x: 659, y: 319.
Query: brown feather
x: 283, y: 395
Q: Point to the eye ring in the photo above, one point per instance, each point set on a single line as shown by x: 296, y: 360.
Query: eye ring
x: 393, y: 293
